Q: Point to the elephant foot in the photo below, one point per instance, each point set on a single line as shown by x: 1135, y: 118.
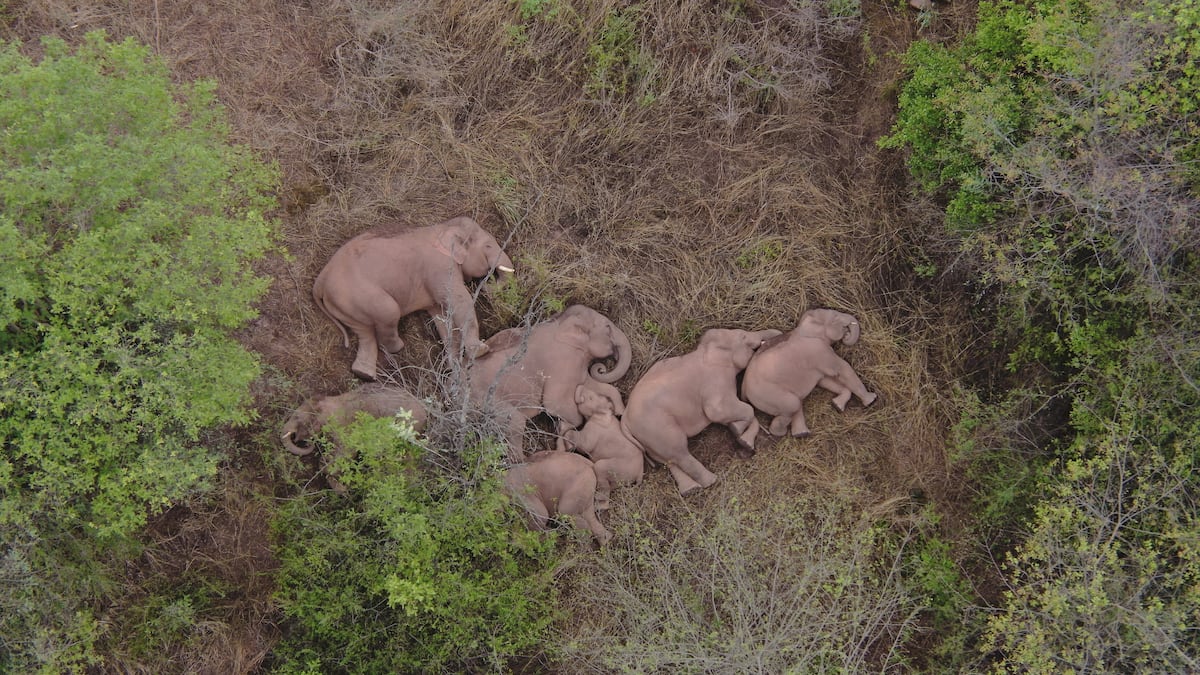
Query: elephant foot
x: 779, y: 426
x: 841, y: 400
x: 869, y: 399
x: 683, y: 482
x: 743, y: 453
x: 362, y: 372
x: 602, y: 502
x: 477, y: 350
x: 392, y: 345
x: 802, y: 434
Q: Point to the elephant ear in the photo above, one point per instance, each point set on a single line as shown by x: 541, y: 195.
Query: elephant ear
x: 573, y: 331
x: 456, y: 239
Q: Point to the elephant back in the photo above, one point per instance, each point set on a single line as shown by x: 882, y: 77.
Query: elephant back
x: 506, y: 339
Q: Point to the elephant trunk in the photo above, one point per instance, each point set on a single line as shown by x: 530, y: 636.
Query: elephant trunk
x: 504, y: 265
x: 289, y: 442
x: 852, y: 332
x: 622, y: 352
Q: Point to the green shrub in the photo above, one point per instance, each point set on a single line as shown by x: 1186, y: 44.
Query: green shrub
x: 616, y: 62
x: 1108, y: 579
x: 128, y: 226
x: 424, y: 567
x: 1061, y: 136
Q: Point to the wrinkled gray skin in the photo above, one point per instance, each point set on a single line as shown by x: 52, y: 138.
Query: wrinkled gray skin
x: 531, y: 370
x: 616, y: 459
x: 376, y: 400
x: 786, y: 370
x: 373, y: 280
x: 680, y: 396
x: 551, y: 484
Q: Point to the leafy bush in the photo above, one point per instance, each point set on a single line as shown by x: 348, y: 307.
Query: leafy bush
x: 425, y: 567
x: 801, y: 585
x: 1061, y: 137
x: 128, y: 227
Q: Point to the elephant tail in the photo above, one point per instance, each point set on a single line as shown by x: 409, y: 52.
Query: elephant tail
x: 636, y: 443
x: 319, y: 298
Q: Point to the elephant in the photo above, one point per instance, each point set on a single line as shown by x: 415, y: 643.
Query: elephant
x: 552, y: 483
x: 784, y: 372
x: 377, y: 400
x: 536, y: 369
x: 374, y: 279
x: 680, y: 396
x: 616, y: 459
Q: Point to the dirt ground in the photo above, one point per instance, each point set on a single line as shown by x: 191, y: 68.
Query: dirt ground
x: 708, y: 193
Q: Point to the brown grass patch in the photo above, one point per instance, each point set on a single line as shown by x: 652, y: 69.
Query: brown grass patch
x: 721, y: 174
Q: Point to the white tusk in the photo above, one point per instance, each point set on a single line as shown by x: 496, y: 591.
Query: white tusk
x: 502, y: 268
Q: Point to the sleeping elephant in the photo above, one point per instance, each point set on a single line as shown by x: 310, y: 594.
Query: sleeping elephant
x: 680, y: 396
x: 373, y: 280
x: 616, y: 459
x: 531, y: 370
x: 784, y: 372
x: 557, y: 483
x: 376, y: 400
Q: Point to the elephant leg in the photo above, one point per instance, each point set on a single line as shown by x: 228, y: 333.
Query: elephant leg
x: 579, y: 502
x: 442, y: 324
x: 457, y: 324
x: 604, y: 472
x: 514, y: 432
x: 840, y: 391
x: 384, y: 316
x: 668, y: 445
x: 593, y: 524
x: 539, y: 515
x: 366, y: 360
x: 849, y: 380
x: 798, y: 426
x: 690, y: 475
x: 737, y: 415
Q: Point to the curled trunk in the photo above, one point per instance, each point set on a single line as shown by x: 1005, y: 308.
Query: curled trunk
x: 622, y: 352
x: 289, y: 442
x: 853, y: 331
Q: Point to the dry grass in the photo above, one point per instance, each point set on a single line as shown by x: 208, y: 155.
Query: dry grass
x: 734, y: 183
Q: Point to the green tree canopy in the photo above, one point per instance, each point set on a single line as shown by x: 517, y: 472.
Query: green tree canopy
x: 128, y: 226
x: 1063, y: 138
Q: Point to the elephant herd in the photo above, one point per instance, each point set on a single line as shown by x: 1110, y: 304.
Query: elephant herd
x: 558, y: 367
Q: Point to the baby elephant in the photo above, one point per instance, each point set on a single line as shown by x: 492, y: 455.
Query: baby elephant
x: 786, y: 370
x: 377, y: 400
x: 615, y: 459
x: 557, y: 483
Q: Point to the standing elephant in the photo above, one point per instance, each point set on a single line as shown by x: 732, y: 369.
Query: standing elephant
x: 782, y: 374
x: 376, y: 400
x: 373, y: 280
x: 680, y: 396
x: 557, y: 483
x: 526, y: 371
x: 616, y: 459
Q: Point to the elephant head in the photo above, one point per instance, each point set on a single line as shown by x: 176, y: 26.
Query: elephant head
x: 830, y: 325
x: 592, y: 401
x: 738, y: 346
x: 474, y: 250
x: 305, y: 423
x: 592, y: 331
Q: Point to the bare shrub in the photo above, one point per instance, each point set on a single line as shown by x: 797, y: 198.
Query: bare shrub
x: 803, y: 584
